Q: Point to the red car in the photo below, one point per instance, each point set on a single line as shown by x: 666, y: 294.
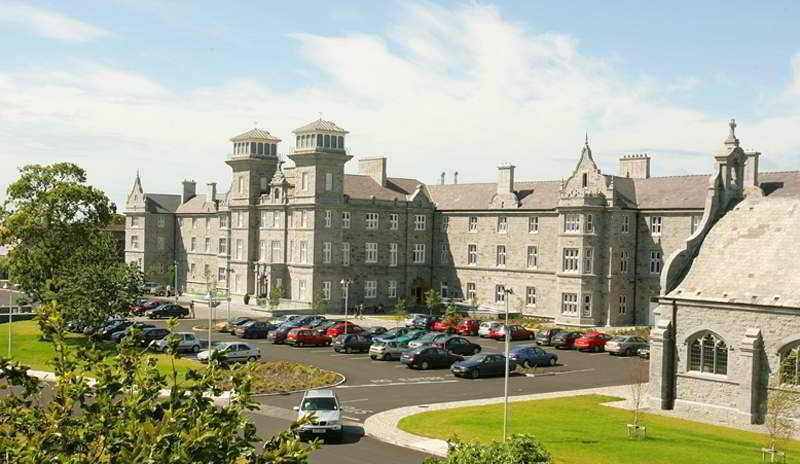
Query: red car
x: 468, y: 327
x: 517, y: 333
x: 594, y: 341
x: 140, y: 308
x: 442, y: 325
x: 303, y: 336
x: 338, y: 329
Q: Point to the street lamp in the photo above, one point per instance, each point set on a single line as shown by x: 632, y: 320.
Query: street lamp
x: 507, y: 292
x: 9, y: 287
x: 346, y: 284
x: 210, y: 309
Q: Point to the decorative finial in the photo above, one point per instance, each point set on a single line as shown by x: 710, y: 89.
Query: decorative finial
x: 137, y: 174
x: 587, y: 138
x: 732, y: 125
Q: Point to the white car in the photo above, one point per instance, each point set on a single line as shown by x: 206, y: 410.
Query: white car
x: 325, y: 406
x: 485, y: 327
x: 232, y: 351
x: 188, y: 342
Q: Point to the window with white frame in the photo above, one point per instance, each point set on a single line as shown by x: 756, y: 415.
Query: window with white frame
x: 193, y: 244
x: 444, y: 289
x: 371, y: 253
x: 586, y: 309
x: 625, y: 227
x: 239, y: 249
x: 192, y: 269
x: 393, y: 254
x: 206, y: 271
x: 445, y: 223
x: 394, y: 221
x: 275, y: 251
x: 530, y: 296
x: 134, y: 221
x: 533, y: 225
x: 301, y: 288
x: 623, y: 304
x: 223, y: 246
x: 221, y: 274
x: 708, y: 354
x: 623, y: 261
x: 345, y: 254
x: 571, y: 260
x: 304, y: 181
x: 502, y: 224
x: 569, y: 303
x: 134, y: 242
x: 372, y: 221
x: 443, y: 254
x: 207, y: 244
x: 472, y: 255
x: 303, y: 251
x: 655, y: 261
x: 328, y: 182
x: 501, y: 255
x: 696, y: 222
x: 264, y: 220
x: 276, y: 219
x: 161, y: 243
x: 499, y: 293
x: 326, y: 290
x: 655, y: 225
x: 572, y: 222
x: 470, y: 292
x: 420, y: 221
x: 239, y: 219
x: 370, y: 288
x: 326, y: 252
x: 162, y: 221
x: 345, y: 219
x: 303, y: 219
x: 589, y: 223
x: 391, y: 290
x: 472, y: 224
x: 533, y: 256
x: 327, y: 218
x: 419, y: 253
x: 588, y: 260
x: 194, y: 223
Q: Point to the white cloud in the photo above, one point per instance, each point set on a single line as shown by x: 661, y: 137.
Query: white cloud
x: 50, y: 24
x: 443, y: 90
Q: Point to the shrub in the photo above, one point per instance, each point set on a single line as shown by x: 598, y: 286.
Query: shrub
x: 518, y: 449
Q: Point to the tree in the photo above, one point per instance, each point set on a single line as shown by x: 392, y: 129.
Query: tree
x: 275, y: 295
x: 320, y: 304
x: 781, y: 403
x: 124, y: 417
x: 451, y: 313
x: 518, y: 449
x: 638, y: 378
x: 400, y: 312
x: 433, y: 301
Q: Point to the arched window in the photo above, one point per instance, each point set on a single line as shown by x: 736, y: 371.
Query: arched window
x: 790, y: 365
x: 708, y: 354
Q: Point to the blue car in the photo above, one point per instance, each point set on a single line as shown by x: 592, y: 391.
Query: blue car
x: 391, y: 334
x: 530, y: 356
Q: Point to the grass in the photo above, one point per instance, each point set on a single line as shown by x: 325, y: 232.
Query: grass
x: 284, y: 376
x: 579, y: 429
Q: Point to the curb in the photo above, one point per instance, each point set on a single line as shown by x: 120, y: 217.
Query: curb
x: 333, y: 385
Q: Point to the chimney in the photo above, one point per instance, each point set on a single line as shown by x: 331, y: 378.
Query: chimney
x: 634, y: 166
x: 751, y: 169
x: 455, y: 178
x: 212, y: 192
x: 374, y: 167
x: 505, y: 178
x: 441, y: 182
x: 189, y: 190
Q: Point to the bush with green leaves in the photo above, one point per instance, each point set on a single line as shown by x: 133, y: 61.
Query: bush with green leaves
x: 518, y: 449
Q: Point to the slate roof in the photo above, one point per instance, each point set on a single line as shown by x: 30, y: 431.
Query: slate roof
x: 255, y: 134
x: 532, y: 195
x: 320, y: 125
x: 364, y: 187
x: 162, y: 203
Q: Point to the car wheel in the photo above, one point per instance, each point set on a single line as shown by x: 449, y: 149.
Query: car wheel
x: 474, y: 373
x: 386, y: 357
x: 195, y: 349
x: 348, y: 350
x: 552, y: 361
x: 424, y: 366
x: 476, y: 350
x: 528, y: 364
x: 596, y: 348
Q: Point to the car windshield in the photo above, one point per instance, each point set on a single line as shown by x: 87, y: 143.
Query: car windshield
x: 319, y: 404
x: 429, y: 337
x: 477, y: 358
x: 378, y: 343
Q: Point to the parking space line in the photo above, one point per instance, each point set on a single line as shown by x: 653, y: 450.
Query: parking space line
x: 358, y: 421
x: 360, y: 357
x: 395, y: 384
x: 356, y: 401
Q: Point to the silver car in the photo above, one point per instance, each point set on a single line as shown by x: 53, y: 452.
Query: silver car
x: 187, y: 342
x: 325, y: 407
x: 626, y: 345
x: 411, y: 319
x: 232, y: 351
x: 385, y: 350
x: 485, y: 327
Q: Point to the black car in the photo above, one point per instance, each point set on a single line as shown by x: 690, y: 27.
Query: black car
x: 254, y: 329
x: 352, y: 343
x: 109, y: 330
x: 166, y: 311
x: 530, y: 356
x: 150, y: 335
x: 482, y: 365
x: 644, y: 352
x: 545, y: 336
x: 457, y: 345
x: 375, y: 331
x: 278, y: 335
x: 565, y: 340
x: 426, y: 357
x: 117, y: 337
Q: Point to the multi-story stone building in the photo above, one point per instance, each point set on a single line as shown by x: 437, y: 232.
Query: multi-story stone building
x: 587, y: 250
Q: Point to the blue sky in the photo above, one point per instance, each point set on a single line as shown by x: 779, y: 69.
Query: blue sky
x: 160, y: 86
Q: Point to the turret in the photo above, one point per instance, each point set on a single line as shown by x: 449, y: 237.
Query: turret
x: 319, y: 157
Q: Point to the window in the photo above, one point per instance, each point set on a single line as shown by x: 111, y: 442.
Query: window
x: 472, y: 255
x: 394, y: 220
x: 655, y: 262
x: 135, y: 242
x: 370, y: 288
x: 303, y: 251
x: 708, y: 354
x: 265, y: 218
x: 326, y: 252
x: 275, y: 251
x: 301, y: 288
x: 392, y: 289
x: 623, y: 261
x: 371, y: 253
x: 134, y: 221
x: 207, y: 271
x: 345, y: 219
x: 239, y: 248
x: 161, y: 243
x: 445, y: 223
x: 572, y: 222
x: 223, y: 222
x: 419, y: 253
x: 588, y: 260
x: 221, y: 274
x: 499, y: 293
x: 501, y: 255
x: 263, y: 184
x: 626, y: 224
x: 589, y: 223
x: 655, y: 225
x: 304, y: 181
x: 161, y: 222
x: 241, y: 184
x: 530, y: 296
x: 328, y: 182
x: 372, y: 221
x: 790, y: 366
x: 569, y: 303
x: 533, y: 225
x: 193, y: 244
x: 290, y: 254
x: 208, y: 245
x: 303, y: 219
x: 194, y: 223
x: 470, y: 293
x: 239, y: 219
x: 586, y: 310
x: 443, y: 254
x: 326, y: 290
x: 276, y: 219
x: 328, y: 218
x: 223, y: 246
x: 502, y: 224
x: 207, y: 223
x: 696, y: 222
x: 570, y: 260
x: 345, y: 254
x: 623, y: 304
x: 419, y: 221
x: 191, y: 269
x: 533, y: 256
x: 392, y: 254
x: 472, y: 224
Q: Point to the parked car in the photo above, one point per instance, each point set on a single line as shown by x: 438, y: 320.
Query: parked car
x: 419, y: 321
x: 467, y: 327
x: 154, y: 288
x: 143, y: 306
x: 375, y: 331
x: 110, y: 329
x: 232, y: 352
x: 593, y: 341
x: 166, y: 311
x: 253, y: 329
x: 517, y: 333
x: 285, y: 318
x: 302, y: 336
x: 385, y: 350
x: 151, y: 335
x: 392, y: 334
x: 117, y: 337
x: 327, y: 324
x: 98, y: 328
x: 625, y: 345
x: 565, y: 340
x: 411, y: 335
x: 317, y: 324
x: 545, y: 336
x: 427, y: 339
x: 278, y: 335
x: 412, y: 318
x: 644, y: 352
x: 426, y: 357
x: 531, y: 356
x: 482, y: 365
x: 325, y: 407
x: 339, y: 329
x: 444, y: 325
x: 187, y: 342
x: 352, y: 343
x: 458, y: 345
x: 486, y: 326
x: 230, y: 326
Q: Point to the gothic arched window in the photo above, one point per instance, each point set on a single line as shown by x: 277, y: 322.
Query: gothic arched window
x: 790, y: 366
x: 708, y: 354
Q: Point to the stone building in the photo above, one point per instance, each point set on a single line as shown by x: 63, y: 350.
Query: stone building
x: 728, y: 318
x: 586, y: 251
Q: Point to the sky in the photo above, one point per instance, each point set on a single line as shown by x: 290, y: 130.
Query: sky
x: 118, y: 86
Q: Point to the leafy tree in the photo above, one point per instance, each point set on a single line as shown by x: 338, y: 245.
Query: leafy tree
x: 400, y: 312
x: 320, y: 304
x: 275, y: 295
x: 133, y: 413
x: 518, y: 449
x: 433, y: 300
x: 451, y: 313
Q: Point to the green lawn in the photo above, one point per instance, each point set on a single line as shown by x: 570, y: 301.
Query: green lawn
x: 579, y: 430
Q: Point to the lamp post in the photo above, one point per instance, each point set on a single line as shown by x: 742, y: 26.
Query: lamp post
x: 346, y: 284
x: 507, y: 296
x: 210, y: 309
x: 9, y: 287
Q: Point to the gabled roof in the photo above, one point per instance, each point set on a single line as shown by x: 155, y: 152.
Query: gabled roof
x: 365, y: 187
x: 255, y: 134
x: 162, y: 203
x: 320, y: 125
x: 532, y: 195
x: 196, y: 204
